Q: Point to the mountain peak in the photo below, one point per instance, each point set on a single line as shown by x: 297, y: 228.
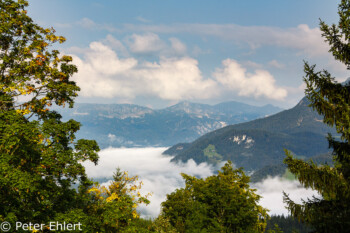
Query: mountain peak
x: 261, y: 142
x: 346, y: 82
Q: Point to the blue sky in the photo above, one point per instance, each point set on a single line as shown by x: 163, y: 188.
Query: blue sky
x: 157, y: 53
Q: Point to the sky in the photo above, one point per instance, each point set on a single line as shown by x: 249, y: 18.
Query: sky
x: 157, y: 53
x: 160, y: 177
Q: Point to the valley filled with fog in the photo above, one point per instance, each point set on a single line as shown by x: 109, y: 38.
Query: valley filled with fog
x: 161, y: 177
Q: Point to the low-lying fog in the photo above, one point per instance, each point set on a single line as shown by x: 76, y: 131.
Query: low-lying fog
x: 161, y: 177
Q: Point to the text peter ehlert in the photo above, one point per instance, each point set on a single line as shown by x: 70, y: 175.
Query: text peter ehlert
x: 52, y: 226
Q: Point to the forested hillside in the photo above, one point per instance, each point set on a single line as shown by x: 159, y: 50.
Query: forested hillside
x: 261, y: 142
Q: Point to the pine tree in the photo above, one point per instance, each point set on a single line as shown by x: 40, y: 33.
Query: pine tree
x: 331, y: 212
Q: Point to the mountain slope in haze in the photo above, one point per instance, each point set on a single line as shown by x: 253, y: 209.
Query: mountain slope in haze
x: 130, y: 125
x: 261, y: 142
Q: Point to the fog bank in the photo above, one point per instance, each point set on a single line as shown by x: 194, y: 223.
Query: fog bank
x: 157, y: 173
x: 162, y: 177
x: 272, y: 197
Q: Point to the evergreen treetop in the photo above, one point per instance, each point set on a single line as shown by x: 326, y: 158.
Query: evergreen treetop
x: 331, y: 212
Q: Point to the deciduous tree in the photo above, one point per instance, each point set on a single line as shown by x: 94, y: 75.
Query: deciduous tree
x: 39, y: 157
x: 219, y: 203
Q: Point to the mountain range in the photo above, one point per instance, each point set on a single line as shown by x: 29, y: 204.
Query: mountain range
x: 261, y: 142
x: 127, y: 125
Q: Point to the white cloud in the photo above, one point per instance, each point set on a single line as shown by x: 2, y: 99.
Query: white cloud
x: 253, y: 65
x: 337, y: 69
x: 145, y: 44
x: 142, y: 19
x: 162, y: 177
x: 158, y: 174
x: 175, y: 79
x: 178, y: 46
x: 88, y: 24
x: 276, y: 64
x: 103, y: 74
x: 302, y: 38
x: 271, y: 191
x: 151, y: 44
x: 96, y: 70
x: 196, y: 51
x: 234, y: 77
x: 116, y: 45
x: 112, y: 137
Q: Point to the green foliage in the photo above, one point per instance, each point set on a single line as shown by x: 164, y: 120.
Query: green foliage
x: 276, y: 229
x: 28, y: 67
x: 286, y: 224
x: 219, y: 203
x: 114, y: 207
x: 39, y: 159
x: 282, y: 171
x: 299, y: 130
x: 162, y: 225
x: 266, y: 171
x: 213, y: 156
x: 331, y: 213
x: 288, y: 175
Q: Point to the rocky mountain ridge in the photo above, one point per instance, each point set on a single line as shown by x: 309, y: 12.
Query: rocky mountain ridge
x: 261, y: 142
x: 127, y: 125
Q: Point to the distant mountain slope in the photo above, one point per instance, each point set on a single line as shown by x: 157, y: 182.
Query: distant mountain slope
x: 282, y: 171
x: 135, y: 126
x: 260, y: 142
x: 299, y: 119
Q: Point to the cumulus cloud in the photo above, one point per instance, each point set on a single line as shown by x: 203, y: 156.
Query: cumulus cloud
x: 96, y: 69
x: 152, y: 44
x: 175, y: 79
x: 157, y: 173
x: 145, y: 44
x: 116, y: 45
x: 177, y: 46
x: 261, y: 83
x: 102, y: 73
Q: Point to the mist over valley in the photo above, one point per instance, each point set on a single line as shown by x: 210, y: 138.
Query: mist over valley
x: 160, y: 176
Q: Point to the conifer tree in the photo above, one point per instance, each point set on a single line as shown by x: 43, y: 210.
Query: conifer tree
x: 331, y: 212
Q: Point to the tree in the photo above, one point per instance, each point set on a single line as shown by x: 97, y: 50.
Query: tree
x: 39, y: 156
x: 41, y: 175
x: 219, y: 203
x: 114, y: 207
x: 331, y: 212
